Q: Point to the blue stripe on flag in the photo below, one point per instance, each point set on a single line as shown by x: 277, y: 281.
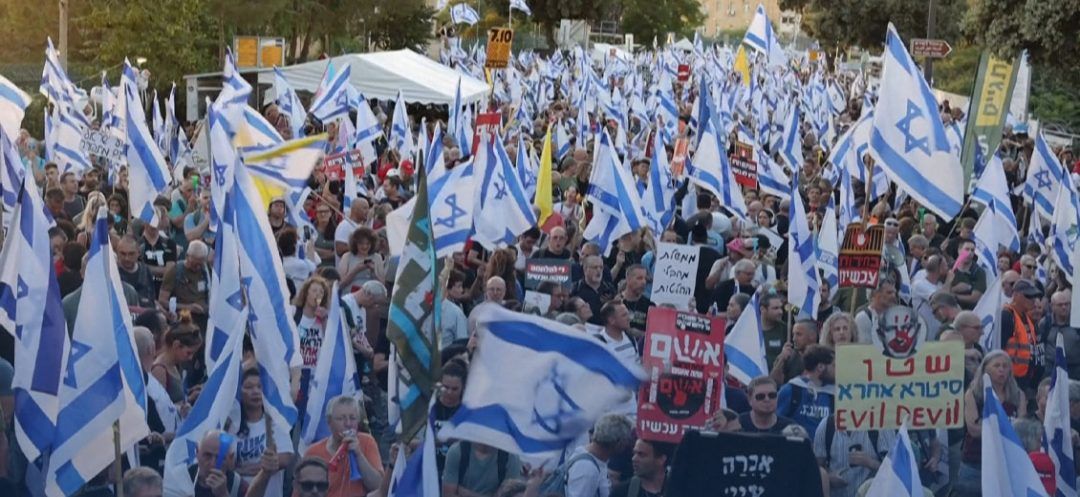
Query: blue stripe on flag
x: 741, y: 361
x: 32, y: 419
x: 496, y: 417
x: 589, y: 354
x: 93, y: 400
x: 908, y: 172
x: 416, y: 343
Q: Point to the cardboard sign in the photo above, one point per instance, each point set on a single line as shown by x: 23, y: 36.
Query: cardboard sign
x: 334, y: 164
x: 743, y: 165
x: 675, y: 274
x: 536, y: 303
x: 743, y: 465
x: 684, y: 73
x: 537, y: 271
x: 678, y: 158
x: 488, y: 122
x: 874, y: 391
x: 103, y: 145
x: 498, y: 47
x: 684, y: 357
x: 860, y: 256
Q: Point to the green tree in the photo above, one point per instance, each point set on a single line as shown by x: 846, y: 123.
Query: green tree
x: 1047, y: 29
x: 548, y: 13
x: 655, y: 18
x: 401, y: 24
x: 863, y: 23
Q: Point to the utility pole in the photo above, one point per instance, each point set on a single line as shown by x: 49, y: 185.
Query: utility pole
x: 931, y: 32
x: 63, y: 34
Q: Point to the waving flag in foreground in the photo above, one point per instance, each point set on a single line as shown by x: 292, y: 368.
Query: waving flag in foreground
x: 13, y: 103
x: 744, y: 347
x: 335, y: 372
x: 1057, y: 436
x: 898, y: 475
x: 1007, y: 470
x: 418, y: 475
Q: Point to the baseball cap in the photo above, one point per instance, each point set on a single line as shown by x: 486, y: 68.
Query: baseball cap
x: 1027, y: 289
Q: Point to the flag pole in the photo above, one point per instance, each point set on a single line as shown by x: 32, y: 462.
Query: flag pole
x: 118, y: 465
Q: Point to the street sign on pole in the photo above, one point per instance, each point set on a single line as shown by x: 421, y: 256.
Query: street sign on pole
x: 935, y: 49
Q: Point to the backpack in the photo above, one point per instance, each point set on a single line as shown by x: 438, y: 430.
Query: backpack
x: 555, y: 483
x: 796, y: 401
x: 502, y: 459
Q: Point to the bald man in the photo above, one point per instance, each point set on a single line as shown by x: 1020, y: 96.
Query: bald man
x: 135, y: 272
x: 556, y: 245
x: 359, y: 217
x: 495, y: 290
x: 212, y: 480
x: 1057, y: 322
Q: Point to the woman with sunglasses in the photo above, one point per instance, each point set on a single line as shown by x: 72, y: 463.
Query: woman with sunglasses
x: 762, y: 417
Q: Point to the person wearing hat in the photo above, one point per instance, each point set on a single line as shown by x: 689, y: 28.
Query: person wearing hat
x: 722, y: 269
x: 276, y: 214
x: 1019, y: 338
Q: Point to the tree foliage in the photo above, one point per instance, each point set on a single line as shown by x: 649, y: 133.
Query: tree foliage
x: 655, y: 18
x: 401, y: 24
x: 863, y: 23
x: 1048, y: 29
x: 548, y: 13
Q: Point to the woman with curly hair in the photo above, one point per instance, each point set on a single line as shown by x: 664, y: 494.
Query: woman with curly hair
x: 362, y: 263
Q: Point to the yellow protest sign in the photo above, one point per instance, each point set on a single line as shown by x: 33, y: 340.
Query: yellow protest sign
x: 874, y: 391
x: 498, y: 47
x: 247, y: 51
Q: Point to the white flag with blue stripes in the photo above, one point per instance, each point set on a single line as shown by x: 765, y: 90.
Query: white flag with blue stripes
x: 335, y: 372
x: 535, y: 385
x: 898, y: 475
x: 501, y: 210
x: 803, y: 284
x: 289, y: 103
x: 1064, y: 230
x: 401, y: 138
x: 791, y: 143
x: 331, y: 101
x: 30, y: 310
x: 368, y: 130
x: 418, y: 474
x: 463, y: 14
x: 659, y: 198
x: 761, y: 37
x: 992, y: 189
x: 13, y: 103
x: 1057, y: 434
x: 908, y: 139
x: 1043, y: 178
x: 711, y: 170
x: 744, y: 347
x: 521, y: 5
x: 12, y: 171
x: 104, y: 379
x: 989, y: 311
x: 64, y: 142
x: 1007, y: 470
x: 827, y: 247
x: 148, y: 174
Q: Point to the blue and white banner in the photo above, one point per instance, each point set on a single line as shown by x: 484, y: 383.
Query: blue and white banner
x: 1007, y: 470
x: 335, y: 372
x: 13, y: 103
x: 148, y: 174
x: 1057, y: 434
x: 744, y: 347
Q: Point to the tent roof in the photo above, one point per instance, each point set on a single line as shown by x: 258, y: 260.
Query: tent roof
x: 380, y: 75
x: 684, y: 45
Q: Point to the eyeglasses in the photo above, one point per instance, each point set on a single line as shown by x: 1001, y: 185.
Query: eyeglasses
x: 311, y: 486
x: 762, y: 396
x: 1030, y: 266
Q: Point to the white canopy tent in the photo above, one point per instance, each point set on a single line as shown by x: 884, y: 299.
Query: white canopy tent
x: 380, y: 75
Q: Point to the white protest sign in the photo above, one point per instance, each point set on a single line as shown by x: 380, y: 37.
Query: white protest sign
x: 101, y: 144
x: 675, y: 274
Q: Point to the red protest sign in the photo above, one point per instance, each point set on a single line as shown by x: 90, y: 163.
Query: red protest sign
x: 743, y: 165
x: 678, y: 158
x: 684, y: 73
x: 860, y: 256
x: 684, y: 358
x: 334, y: 164
x: 488, y: 122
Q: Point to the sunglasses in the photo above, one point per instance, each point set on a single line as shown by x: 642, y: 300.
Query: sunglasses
x: 762, y: 396
x: 310, y: 486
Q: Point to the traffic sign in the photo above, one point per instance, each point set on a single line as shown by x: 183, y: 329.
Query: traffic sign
x: 935, y: 49
x: 498, y: 48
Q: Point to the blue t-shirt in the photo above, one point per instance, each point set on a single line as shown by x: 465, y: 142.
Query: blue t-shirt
x: 805, y: 403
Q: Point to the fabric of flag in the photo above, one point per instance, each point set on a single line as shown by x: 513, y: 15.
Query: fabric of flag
x: 401, y: 138
x: 992, y: 189
x: 13, y: 103
x: 289, y: 103
x: 64, y: 146
x: 988, y: 308
x: 501, y: 210
x: 148, y: 174
x: 802, y: 281
x: 281, y: 171
x: 415, y: 314
x: 744, y: 347
x: 990, y: 233
x: 104, y: 380
x: 335, y: 372
x: 463, y: 14
x: 659, y: 198
x: 711, y: 170
x: 11, y: 175
x: 1043, y: 176
x: 761, y: 37
x: 827, y: 247
x: 543, y: 199
x: 1007, y: 470
x: 535, y: 385
x: 908, y: 139
x: 30, y: 310
x: 173, y: 131
x: 368, y: 130
x: 331, y: 101
x: 452, y: 193
x: 791, y: 143
x: 521, y: 5
x: 616, y: 202
x: 157, y: 124
x: 898, y: 475
x: 418, y: 475
x: 1057, y: 434
x: 771, y: 176
x: 525, y: 170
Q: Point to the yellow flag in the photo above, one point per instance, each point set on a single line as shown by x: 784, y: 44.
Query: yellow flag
x: 742, y: 66
x: 543, y: 182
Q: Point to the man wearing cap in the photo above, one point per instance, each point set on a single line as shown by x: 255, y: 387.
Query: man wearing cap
x: 1057, y: 322
x: 1019, y: 338
x: 722, y: 269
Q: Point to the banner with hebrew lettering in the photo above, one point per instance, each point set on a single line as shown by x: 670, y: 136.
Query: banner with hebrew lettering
x: 684, y: 358
x: 675, y: 274
x: 876, y: 391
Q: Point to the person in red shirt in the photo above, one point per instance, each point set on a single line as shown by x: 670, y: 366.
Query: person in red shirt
x: 343, y: 418
x: 1030, y: 433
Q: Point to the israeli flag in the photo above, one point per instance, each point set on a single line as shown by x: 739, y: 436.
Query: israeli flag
x: 30, y: 310
x: 456, y: 111
x: 1064, y: 227
x: 989, y: 234
x: 335, y: 372
x: 744, y: 347
x: 908, y: 139
x: 1057, y: 437
x: 13, y: 103
x: 463, y: 14
x: 157, y: 124
x: 64, y: 146
x: 148, y: 174
x: 847, y: 213
x: 104, y: 380
x: 827, y: 247
x: 659, y: 198
x: 418, y: 474
x: 331, y: 101
x: 1006, y: 468
x: 535, y: 385
x: 401, y: 138
x: 791, y: 143
x: 992, y: 190
x: 563, y: 140
x: 711, y: 170
x: 502, y: 211
x: 173, y: 132
x: 368, y: 130
x: 761, y: 37
x: 525, y: 169
x: 898, y: 475
x: 11, y: 175
x: 1043, y: 175
x: 771, y: 176
x: 289, y: 103
x: 803, y: 281
x: 611, y: 185
x: 988, y: 308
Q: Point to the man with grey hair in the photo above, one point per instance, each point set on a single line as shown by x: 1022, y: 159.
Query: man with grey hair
x: 927, y: 282
x: 742, y: 281
x: 592, y: 288
x: 189, y: 282
x: 359, y: 217
x: 215, y: 474
x: 142, y: 482
x: 587, y: 467
x: 944, y: 307
x: 1057, y: 323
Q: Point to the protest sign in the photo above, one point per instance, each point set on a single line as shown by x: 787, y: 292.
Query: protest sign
x: 675, y: 274
x: 334, y: 164
x: 860, y: 256
x: 994, y: 83
x: 875, y: 391
x: 489, y: 123
x: 678, y: 158
x: 536, y: 303
x: 498, y: 47
x: 744, y: 166
x: 742, y: 465
x: 684, y: 73
x: 103, y: 145
x: 684, y: 358
x: 538, y: 271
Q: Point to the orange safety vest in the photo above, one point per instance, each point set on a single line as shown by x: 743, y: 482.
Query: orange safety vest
x: 1021, y: 344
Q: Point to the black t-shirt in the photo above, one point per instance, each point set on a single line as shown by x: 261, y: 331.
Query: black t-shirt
x: 707, y: 256
x: 594, y: 297
x: 623, y: 490
x: 547, y: 254
x: 442, y: 415
x: 159, y: 253
x: 639, y: 311
x: 748, y: 425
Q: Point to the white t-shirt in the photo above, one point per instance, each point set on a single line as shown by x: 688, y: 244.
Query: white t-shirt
x: 250, y: 448
x: 311, y: 333
x: 585, y: 479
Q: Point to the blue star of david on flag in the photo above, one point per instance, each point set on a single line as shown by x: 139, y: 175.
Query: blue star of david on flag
x: 78, y: 351
x: 904, y: 125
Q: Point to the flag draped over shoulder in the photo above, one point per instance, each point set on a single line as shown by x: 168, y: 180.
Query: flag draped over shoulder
x: 414, y: 316
x: 898, y: 475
